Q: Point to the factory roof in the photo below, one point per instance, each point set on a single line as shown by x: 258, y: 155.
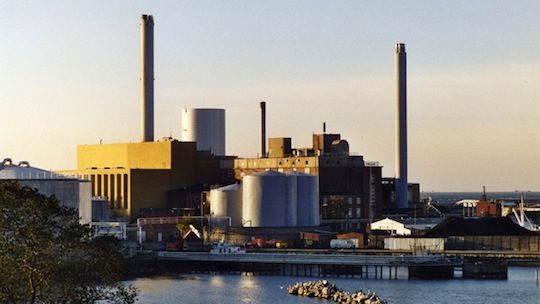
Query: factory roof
x: 485, y: 226
x: 23, y: 170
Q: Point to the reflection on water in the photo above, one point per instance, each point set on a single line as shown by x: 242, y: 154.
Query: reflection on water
x: 217, y: 281
x: 519, y: 288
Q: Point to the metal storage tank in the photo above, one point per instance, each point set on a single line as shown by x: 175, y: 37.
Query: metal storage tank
x: 291, y: 205
x: 227, y: 202
x: 70, y: 191
x: 307, y: 199
x: 265, y: 198
x: 206, y: 127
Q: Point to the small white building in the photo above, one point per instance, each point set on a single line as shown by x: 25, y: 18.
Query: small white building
x: 116, y: 229
x: 416, y: 245
x: 391, y: 226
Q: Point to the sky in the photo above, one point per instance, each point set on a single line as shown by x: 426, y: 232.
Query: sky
x: 70, y: 75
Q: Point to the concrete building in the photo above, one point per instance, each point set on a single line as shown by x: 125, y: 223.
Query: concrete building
x: 389, y: 197
x: 71, y: 192
x: 151, y: 175
x: 349, y: 188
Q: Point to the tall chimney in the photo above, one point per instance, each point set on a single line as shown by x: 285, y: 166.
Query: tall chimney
x: 147, y: 78
x: 401, y: 127
x: 263, y: 129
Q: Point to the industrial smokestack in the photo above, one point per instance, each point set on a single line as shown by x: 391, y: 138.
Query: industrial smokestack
x: 263, y: 129
x: 324, y: 127
x: 401, y: 182
x: 147, y: 78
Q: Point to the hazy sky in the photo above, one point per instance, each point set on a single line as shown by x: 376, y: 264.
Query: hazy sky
x: 70, y: 75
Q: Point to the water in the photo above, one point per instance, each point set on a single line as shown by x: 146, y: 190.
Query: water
x: 519, y: 288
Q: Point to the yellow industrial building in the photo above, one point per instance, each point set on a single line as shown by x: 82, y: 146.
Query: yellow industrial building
x: 136, y: 176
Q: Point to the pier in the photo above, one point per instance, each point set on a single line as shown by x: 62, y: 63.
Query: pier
x: 323, y: 265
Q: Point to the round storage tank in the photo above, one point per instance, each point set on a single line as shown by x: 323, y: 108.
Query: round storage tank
x: 265, y: 196
x: 206, y: 127
x: 291, y: 206
x: 227, y: 202
x: 307, y: 199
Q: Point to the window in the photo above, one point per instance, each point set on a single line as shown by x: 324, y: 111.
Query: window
x: 99, y: 193
x: 126, y: 193
x: 358, y: 212
x: 93, y: 180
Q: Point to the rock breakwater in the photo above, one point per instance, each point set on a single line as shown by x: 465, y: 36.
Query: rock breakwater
x: 328, y: 291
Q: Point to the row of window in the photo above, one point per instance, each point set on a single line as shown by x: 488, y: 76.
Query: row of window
x: 114, y: 187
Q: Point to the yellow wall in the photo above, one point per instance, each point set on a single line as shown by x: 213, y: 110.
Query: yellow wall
x: 149, y: 189
x: 148, y: 171
x: 146, y: 155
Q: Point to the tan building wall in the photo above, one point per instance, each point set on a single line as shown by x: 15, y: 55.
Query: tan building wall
x: 245, y: 166
x: 135, y: 176
x: 145, y: 155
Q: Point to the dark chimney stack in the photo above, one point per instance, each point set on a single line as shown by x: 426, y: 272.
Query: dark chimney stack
x: 263, y: 129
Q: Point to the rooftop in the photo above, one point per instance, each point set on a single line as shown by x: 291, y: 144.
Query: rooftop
x: 23, y: 170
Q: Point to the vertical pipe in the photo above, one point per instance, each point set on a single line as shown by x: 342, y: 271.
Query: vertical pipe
x: 401, y: 183
x: 263, y: 129
x: 147, y: 78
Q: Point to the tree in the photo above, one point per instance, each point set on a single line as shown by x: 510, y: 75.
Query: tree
x: 46, y: 256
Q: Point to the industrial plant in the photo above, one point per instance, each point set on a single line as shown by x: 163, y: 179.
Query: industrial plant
x: 285, y: 187
x: 164, y: 196
x: 190, y: 191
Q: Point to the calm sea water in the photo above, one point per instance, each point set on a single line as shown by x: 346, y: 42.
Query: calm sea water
x: 519, y: 288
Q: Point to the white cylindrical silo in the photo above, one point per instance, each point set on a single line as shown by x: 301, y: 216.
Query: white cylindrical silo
x: 264, y: 198
x: 291, y: 205
x: 227, y: 202
x: 307, y: 199
x: 206, y: 127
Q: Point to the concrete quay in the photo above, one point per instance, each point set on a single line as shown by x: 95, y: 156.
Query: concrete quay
x: 322, y: 265
x: 313, y: 259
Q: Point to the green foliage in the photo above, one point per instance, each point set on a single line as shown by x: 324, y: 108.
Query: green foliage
x: 46, y: 256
